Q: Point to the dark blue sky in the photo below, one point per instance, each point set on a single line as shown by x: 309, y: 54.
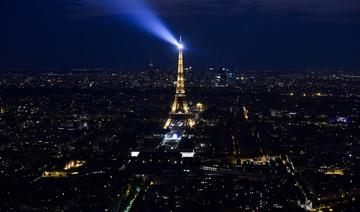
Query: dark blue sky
x: 262, y: 34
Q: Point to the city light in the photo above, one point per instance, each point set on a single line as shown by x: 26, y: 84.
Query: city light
x: 200, y: 106
x: 102, y: 109
x: 74, y: 164
x: 187, y: 154
x: 134, y: 153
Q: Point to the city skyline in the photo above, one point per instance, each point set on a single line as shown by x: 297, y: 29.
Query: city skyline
x: 182, y: 105
x: 262, y: 141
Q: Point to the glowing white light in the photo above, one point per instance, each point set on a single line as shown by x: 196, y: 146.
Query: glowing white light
x: 180, y: 46
x: 134, y: 153
x: 187, y: 154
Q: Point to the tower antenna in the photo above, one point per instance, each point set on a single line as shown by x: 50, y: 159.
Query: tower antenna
x: 180, y: 114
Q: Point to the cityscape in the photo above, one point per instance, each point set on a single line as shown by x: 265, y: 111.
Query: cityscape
x: 90, y: 140
x: 178, y: 137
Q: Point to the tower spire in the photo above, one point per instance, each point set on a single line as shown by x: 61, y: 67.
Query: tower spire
x: 180, y: 108
x: 180, y: 85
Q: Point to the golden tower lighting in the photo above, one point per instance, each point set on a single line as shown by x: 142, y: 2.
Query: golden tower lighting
x: 180, y: 107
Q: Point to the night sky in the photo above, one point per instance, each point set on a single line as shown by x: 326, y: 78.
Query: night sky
x: 247, y: 34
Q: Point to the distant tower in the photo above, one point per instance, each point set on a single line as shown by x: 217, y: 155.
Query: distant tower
x: 180, y: 115
x: 151, y: 70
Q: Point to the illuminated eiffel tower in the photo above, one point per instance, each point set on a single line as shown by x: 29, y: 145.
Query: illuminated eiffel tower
x: 180, y: 115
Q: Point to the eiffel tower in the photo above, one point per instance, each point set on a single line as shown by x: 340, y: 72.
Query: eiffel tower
x: 180, y: 116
